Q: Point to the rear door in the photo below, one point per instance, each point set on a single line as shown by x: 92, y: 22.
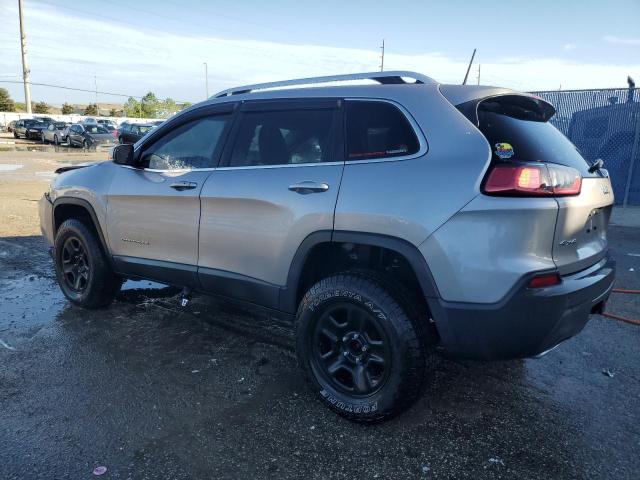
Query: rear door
x: 277, y: 184
x: 580, y: 238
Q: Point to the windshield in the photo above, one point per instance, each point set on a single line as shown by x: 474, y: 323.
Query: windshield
x: 59, y: 125
x: 95, y: 129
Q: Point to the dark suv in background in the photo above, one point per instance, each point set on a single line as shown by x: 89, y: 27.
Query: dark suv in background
x: 132, y: 132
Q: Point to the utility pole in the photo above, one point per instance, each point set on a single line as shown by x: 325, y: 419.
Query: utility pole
x: 25, y: 66
x: 382, y: 56
x: 479, y: 73
x: 206, y: 78
x: 464, y: 82
x: 95, y: 83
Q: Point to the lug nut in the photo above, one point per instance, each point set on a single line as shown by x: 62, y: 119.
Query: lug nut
x: 365, y: 348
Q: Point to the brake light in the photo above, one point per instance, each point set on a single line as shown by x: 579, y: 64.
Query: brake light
x: 544, y: 280
x: 532, y: 179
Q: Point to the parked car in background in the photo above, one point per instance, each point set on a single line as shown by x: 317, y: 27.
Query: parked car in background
x: 105, y: 122
x: 11, y: 125
x: 34, y: 131
x: 55, y: 133
x: 29, y: 128
x: 88, y: 121
x: 132, y: 132
x: 90, y: 136
x: 112, y: 130
x: 157, y: 123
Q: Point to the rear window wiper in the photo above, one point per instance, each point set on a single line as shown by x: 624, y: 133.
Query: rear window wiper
x: 596, y: 165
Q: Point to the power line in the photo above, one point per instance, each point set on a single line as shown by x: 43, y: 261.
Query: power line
x: 382, y: 56
x: 81, y: 90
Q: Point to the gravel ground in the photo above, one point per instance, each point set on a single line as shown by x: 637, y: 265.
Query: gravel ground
x: 152, y: 390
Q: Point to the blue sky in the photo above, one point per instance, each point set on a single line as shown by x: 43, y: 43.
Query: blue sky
x: 136, y: 46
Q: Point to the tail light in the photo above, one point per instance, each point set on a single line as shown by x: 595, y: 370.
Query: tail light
x: 532, y: 179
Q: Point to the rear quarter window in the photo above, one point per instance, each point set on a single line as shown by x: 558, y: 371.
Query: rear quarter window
x: 378, y: 130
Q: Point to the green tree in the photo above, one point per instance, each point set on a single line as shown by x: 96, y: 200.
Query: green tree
x: 113, y: 112
x: 20, y: 107
x: 132, y: 108
x: 168, y: 107
x: 6, y: 104
x: 41, y: 107
x: 150, y: 105
x: 92, y: 109
x: 185, y: 105
x: 67, y: 109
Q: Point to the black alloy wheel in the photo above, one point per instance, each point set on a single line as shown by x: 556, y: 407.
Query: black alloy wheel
x: 351, y: 350
x: 75, y: 265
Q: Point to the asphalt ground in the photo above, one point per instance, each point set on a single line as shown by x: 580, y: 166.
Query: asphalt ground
x: 149, y: 389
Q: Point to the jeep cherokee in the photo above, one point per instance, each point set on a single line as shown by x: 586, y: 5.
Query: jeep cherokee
x: 384, y: 219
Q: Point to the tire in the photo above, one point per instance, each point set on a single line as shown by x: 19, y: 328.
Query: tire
x: 365, y: 370
x: 85, y: 144
x: 15, y: 134
x: 83, y: 272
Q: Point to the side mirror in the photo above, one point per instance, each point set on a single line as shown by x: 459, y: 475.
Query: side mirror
x: 123, y: 155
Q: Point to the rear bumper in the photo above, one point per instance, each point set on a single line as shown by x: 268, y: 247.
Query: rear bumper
x: 527, y: 322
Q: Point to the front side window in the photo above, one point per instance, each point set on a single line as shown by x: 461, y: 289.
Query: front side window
x: 378, y: 130
x: 283, y: 137
x: 191, y: 145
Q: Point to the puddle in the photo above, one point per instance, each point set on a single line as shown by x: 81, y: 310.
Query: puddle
x: 9, y: 167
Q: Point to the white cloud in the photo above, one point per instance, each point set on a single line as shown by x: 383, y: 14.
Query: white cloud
x: 567, y: 47
x: 621, y: 40
x: 65, y: 50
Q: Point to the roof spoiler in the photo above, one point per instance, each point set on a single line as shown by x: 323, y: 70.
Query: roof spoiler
x: 467, y: 99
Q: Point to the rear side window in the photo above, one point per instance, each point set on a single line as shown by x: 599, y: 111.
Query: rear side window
x: 283, y: 137
x: 518, y: 135
x: 378, y: 130
x: 191, y: 145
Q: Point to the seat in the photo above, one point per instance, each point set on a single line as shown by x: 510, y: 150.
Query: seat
x: 273, y: 149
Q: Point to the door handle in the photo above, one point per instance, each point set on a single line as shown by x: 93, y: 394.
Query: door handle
x: 309, y: 187
x: 180, y: 186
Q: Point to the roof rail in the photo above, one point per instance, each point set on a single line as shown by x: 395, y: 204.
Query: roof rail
x: 392, y: 77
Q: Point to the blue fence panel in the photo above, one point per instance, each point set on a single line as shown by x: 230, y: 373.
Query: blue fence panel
x: 603, y: 124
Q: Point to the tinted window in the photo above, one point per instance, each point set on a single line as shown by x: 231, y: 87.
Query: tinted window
x: 377, y: 130
x: 95, y: 129
x: 190, y: 145
x: 283, y: 137
x: 529, y: 140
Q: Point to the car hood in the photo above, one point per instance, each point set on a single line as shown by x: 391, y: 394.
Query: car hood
x: 75, y: 167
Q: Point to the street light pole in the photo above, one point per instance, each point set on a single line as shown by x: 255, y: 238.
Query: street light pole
x: 25, y: 66
x: 206, y: 78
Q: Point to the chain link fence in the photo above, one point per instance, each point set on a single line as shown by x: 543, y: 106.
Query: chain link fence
x: 604, y: 124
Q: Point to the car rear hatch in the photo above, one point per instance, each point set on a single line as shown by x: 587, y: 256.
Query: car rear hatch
x: 518, y: 130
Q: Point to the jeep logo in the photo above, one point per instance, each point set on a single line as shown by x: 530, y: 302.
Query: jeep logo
x: 565, y: 243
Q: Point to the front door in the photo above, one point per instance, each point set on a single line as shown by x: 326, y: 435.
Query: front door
x: 277, y: 183
x: 153, y: 211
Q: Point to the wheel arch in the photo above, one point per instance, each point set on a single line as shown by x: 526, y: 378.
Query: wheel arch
x: 72, y: 207
x: 314, y: 244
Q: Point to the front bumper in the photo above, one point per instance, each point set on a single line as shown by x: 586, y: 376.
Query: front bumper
x: 528, y: 321
x: 45, y: 209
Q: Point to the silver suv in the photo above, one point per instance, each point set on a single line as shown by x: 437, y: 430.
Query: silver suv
x: 384, y: 219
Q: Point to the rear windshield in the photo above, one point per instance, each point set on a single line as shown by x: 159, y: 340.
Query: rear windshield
x: 520, y: 139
